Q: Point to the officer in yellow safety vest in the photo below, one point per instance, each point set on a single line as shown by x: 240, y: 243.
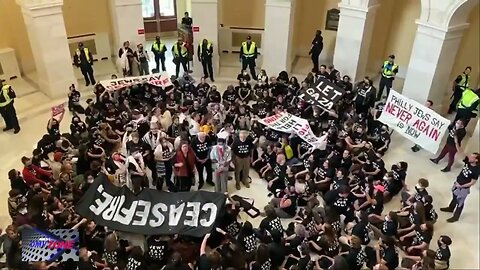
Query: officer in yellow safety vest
x: 205, y: 52
x: 7, y: 110
x: 84, y: 60
x: 389, y: 70
x: 461, y: 83
x: 248, y: 55
x: 467, y: 107
x: 159, y: 49
x: 180, y: 56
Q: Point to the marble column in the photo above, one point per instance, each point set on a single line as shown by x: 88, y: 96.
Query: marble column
x: 127, y: 19
x: 205, y: 18
x: 278, y: 35
x: 47, y: 34
x: 434, y: 51
x: 354, y: 35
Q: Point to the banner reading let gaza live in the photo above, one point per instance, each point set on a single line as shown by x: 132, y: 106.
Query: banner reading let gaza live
x: 151, y: 212
x: 414, y: 121
x: 162, y: 80
x: 323, y: 94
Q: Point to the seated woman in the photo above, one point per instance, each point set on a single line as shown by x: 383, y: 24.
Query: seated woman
x: 356, y: 257
x: 385, y: 256
x: 418, y: 240
x: 248, y: 241
x: 278, y: 182
x: 323, y: 178
x: 270, y: 223
x: 268, y: 159
x: 375, y: 204
x: 294, y: 241
x: 411, y: 217
x: 262, y: 259
x: 326, y: 245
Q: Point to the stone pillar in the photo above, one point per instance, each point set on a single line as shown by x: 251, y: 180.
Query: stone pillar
x: 354, y: 35
x: 278, y: 36
x: 127, y: 19
x: 205, y: 17
x: 434, y: 51
x: 47, y: 34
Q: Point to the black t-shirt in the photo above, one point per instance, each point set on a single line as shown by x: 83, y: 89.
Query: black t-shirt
x: 157, y: 250
x: 443, y: 254
x: 133, y: 147
x: 248, y: 242
x: 452, y: 132
x: 230, y: 96
x: 390, y: 256
x: 264, y: 266
x: 271, y: 225
x: 421, y: 237
x: 305, y: 263
x: 201, y: 149
x: 277, y: 254
x: 242, y: 149
x: 135, y: 264
x: 340, y: 204
x: 468, y: 173
x: 112, y: 258
x: 356, y: 259
x: 361, y: 231
x: 87, y: 265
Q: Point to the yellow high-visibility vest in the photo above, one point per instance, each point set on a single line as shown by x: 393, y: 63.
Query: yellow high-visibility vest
x: 388, y: 73
x: 184, y: 50
x: 158, y: 47
x: 209, y: 45
x: 468, y: 98
x: 246, y: 52
x: 6, y: 96
x: 87, y: 54
x: 465, y: 82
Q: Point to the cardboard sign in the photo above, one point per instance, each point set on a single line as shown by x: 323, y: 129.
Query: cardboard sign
x: 414, y: 121
x: 161, y: 80
x: 323, y: 94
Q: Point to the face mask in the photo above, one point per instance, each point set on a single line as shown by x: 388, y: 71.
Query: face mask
x: 458, y: 125
x: 385, y: 178
x: 439, y: 243
x: 418, y: 187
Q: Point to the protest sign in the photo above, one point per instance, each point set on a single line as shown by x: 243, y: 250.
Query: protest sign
x: 161, y: 80
x: 151, y: 212
x: 288, y: 123
x: 323, y: 93
x: 58, y: 111
x: 414, y: 121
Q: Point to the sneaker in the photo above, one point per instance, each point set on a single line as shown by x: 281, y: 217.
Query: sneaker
x: 446, y: 209
x: 16, y: 131
x: 237, y: 186
x: 246, y: 184
x: 434, y: 160
x: 446, y: 169
x: 452, y: 220
x: 7, y: 129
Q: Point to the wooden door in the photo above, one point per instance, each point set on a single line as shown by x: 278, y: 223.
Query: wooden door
x: 159, y: 16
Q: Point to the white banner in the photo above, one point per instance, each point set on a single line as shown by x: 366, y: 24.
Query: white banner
x: 414, y: 121
x: 288, y: 123
x: 161, y: 80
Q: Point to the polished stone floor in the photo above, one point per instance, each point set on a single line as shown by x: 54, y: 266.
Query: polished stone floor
x: 34, y: 110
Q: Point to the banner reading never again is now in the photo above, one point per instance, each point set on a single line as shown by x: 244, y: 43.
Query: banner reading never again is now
x: 151, y: 212
x: 414, y: 121
x: 160, y: 80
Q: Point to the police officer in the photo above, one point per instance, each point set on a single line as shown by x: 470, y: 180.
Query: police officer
x: 248, y: 54
x: 7, y: 110
x: 180, y: 56
x: 159, y: 49
x: 461, y: 83
x: 204, y: 52
x: 84, y: 60
x: 467, y: 107
x: 461, y: 188
x: 316, y: 50
x: 389, y: 70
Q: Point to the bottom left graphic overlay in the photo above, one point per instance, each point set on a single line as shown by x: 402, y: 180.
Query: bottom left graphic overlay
x: 56, y: 245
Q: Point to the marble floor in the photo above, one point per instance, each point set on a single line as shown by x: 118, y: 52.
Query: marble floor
x: 34, y: 111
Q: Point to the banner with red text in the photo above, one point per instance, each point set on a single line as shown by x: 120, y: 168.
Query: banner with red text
x: 160, y: 80
x: 288, y: 123
x: 414, y: 121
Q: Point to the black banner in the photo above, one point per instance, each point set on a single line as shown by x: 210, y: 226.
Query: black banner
x: 151, y: 212
x: 323, y: 94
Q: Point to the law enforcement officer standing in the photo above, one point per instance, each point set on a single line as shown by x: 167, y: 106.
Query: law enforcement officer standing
x: 389, y: 70
x: 461, y: 83
x: 84, y: 60
x: 180, y: 56
x: 159, y: 49
x: 467, y: 107
x: 204, y: 52
x: 316, y: 50
x: 248, y: 55
x: 7, y: 110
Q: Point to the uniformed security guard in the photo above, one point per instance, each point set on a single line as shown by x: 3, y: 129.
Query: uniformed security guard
x: 467, y: 107
x: 388, y: 71
x: 180, y: 56
x: 84, y: 60
x: 7, y: 110
x: 248, y: 55
x: 461, y: 83
x: 159, y: 49
x: 205, y: 52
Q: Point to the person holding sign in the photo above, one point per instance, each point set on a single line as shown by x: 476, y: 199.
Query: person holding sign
x: 417, y: 147
x: 461, y: 188
x: 456, y: 133
x: 389, y: 70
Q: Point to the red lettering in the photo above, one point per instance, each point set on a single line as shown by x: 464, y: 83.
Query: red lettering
x: 434, y: 134
x: 390, y: 108
x: 51, y: 244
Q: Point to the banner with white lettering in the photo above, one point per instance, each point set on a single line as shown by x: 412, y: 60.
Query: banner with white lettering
x: 161, y: 80
x: 288, y: 123
x: 414, y: 121
x: 151, y: 212
x: 322, y: 93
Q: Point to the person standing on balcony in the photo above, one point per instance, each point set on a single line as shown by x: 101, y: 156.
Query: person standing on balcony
x: 187, y: 22
x: 205, y: 52
x: 248, y: 55
x: 159, y: 49
x: 316, y: 50
x: 389, y: 70
x: 141, y: 57
x: 461, y: 83
x: 180, y: 56
x: 84, y: 60
x: 7, y: 110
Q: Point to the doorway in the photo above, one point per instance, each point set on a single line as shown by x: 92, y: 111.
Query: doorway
x: 159, y: 16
